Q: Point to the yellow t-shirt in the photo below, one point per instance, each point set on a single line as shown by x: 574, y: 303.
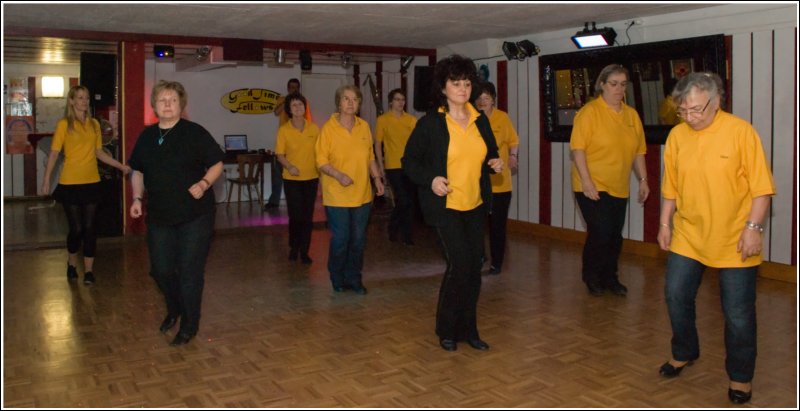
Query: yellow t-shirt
x: 506, y: 138
x: 298, y: 147
x: 394, y: 132
x: 283, y: 117
x: 668, y: 112
x: 465, y: 155
x: 611, y: 142
x: 80, y: 146
x: 713, y: 175
x: 350, y: 153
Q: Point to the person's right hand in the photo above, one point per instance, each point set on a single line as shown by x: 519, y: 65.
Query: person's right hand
x: 344, y: 179
x: 136, y: 209
x: 294, y: 171
x: 45, y: 190
x: 440, y: 187
x: 589, y: 190
x: 664, y: 237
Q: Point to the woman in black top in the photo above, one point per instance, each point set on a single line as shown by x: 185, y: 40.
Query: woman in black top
x: 449, y: 156
x: 178, y: 161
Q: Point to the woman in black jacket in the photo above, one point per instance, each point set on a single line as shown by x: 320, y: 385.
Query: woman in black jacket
x: 449, y: 156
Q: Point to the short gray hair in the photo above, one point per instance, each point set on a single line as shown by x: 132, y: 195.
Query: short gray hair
x: 702, y: 81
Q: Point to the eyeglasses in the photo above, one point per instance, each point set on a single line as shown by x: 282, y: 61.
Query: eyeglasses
x: 692, y: 112
x: 614, y: 84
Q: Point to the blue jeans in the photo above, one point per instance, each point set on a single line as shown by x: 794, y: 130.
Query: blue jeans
x: 348, y: 235
x: 737, y: 288
x: 177, y: 263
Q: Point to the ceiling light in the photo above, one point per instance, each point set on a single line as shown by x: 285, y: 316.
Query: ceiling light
x: 52, y: 86
x: 347, y: 58
x: 405, y: 62
x: 595, y: 37
x: 519, y: 50
x: 202, y: 52
x: 280, y: 56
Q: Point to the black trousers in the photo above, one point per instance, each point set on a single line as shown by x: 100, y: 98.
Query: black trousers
x: 404, y: 191
x: 604, y: 221
x: 300, y: 199
x: 276, y: 181
x: 81, y: 221
x: 461, y: 234
x: 498, y: 220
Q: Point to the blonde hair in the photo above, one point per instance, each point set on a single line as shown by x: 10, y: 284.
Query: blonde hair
x: 69, y: 111
x: 607, y: 71
x: 340, y: 92
x: 163, y: 85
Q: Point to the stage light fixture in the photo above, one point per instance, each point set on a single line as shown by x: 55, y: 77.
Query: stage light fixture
x: 519, y: 50
x: 162, y: 51
x: 347, y: 60
x: 595, y: 37
x: 280, y: 56
x: 405, y: 62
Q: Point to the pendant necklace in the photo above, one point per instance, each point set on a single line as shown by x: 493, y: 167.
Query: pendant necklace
x: 162, y: 135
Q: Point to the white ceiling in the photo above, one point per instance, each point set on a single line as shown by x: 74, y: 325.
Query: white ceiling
x: 414, y: 25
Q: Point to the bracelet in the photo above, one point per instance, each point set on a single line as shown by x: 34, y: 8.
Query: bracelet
x: 754, y: 226
x: 664, y: 225
x: 643, y: 179
x: 207, y: 183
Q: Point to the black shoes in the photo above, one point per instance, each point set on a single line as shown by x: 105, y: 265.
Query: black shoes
x: 168, y: 323
x: 293, y: 255
x: 478, y: 344
x: 338, y: 289
x: 72, y: 273
x: 268, y: 206
x: 618, y: 289
x: 359, y: 289
x: 494, y: 270
x: 88, y: 278
x: 739, y: 397
x: 305, y: 259
x: 595, y: 289
x: 448, y: 344
x: 181, y: 338
x: 669, y: 371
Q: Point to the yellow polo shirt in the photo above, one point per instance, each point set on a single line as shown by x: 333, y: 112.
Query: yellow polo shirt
x: 611, y: 141
x: 350, y: 153
x: 506, y: 138
x: 394, y: 132
x: 465, y: 155
x: 80, y: 151
x: 713, y: 175
x: 298, y: 147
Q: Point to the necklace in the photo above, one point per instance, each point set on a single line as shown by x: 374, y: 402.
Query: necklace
x: 162, y: 135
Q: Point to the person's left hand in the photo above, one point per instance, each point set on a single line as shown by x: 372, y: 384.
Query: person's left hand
x: 126, y: 169
x: 644, y: 192
x: 750, y: 243
x: 496, y: 164
x: 196, y: 190
x: 512, y: 163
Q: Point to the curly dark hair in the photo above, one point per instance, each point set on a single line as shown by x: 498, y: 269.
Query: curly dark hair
x: 484, y: 87
x: 454, y: 67
x: 287, y: 102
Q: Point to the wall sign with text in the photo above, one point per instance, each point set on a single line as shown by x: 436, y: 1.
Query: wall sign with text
x: 250, y: 101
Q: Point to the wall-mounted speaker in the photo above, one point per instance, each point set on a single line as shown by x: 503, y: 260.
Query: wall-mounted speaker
x: 305, y: 60
x: 423, y: 77
x: 99, y: 75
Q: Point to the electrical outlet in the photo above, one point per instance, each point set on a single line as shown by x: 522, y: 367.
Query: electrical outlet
x: 637, y: 22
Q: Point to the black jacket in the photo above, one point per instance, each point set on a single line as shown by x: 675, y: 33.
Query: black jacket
x: 425, y: 158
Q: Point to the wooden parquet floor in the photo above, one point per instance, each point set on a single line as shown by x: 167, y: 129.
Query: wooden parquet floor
x: 274, y: 335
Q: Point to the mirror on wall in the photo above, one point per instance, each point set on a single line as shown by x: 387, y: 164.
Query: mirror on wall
x: 568, y: 81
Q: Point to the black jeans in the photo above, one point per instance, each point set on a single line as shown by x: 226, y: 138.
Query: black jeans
x: 604, y: 221
x: 300, y: 199
x: 461, y: 234
x: 404, y: 191
x: 276, y: 182
x: 498, y: 220
x: 177, y: 263
x: 80, y: 218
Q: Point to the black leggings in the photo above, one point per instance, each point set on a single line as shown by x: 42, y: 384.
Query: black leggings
x: 80, y: 218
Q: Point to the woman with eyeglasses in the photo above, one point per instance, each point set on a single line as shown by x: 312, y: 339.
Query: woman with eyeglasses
x: 716, y: 190
x: 607, y: 142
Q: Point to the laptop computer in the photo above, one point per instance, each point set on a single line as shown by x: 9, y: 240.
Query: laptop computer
x: 236, y: 143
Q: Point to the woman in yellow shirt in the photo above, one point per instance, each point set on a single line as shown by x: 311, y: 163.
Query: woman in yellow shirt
x: 78, y: 190
x: 346, y: 160
x: 507, y: 147
x: 393, y: 128
x: 607, y: 141
x: 716, y: 190
x: 449, y: 157
x: 294, y: 150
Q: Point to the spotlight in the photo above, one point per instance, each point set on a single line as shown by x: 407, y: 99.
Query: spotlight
x: 202, y: 52
x: 347, y: 58
x: 528, y: 48
x: 595, y: 37
x: 405, y: 62
x: 163, y: 51
x: 280, y: 56
x: 519, y: 50
x: 511, y: 51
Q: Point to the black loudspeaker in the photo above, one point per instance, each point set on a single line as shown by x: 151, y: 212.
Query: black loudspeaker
x: 99, y: 75
x: 305, y: 60
x: 423, y: 77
